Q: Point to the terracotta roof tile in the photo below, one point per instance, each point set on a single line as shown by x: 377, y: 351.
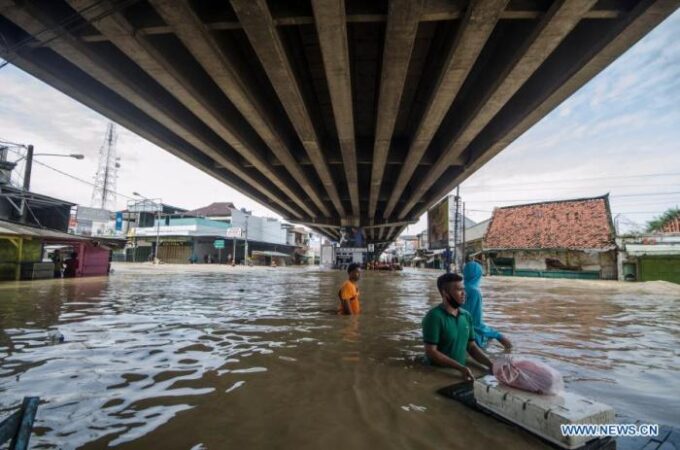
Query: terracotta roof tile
x: 215, y: 209
x: 570, y: 224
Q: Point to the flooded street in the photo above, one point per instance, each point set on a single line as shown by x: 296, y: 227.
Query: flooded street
x: 219, y: 357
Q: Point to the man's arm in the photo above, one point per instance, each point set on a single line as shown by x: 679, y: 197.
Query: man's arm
x: 345, y: 306
x: 345, y: 297
x: 479, y: 355
x: 441, y: 359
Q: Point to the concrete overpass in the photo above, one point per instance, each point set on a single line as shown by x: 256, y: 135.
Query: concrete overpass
x: 329, y: 112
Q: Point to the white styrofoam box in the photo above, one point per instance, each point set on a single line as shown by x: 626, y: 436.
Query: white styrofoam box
x: 542, y: 414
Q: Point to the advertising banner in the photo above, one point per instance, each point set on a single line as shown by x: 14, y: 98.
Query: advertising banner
x: 93, y: 214
x: 439, y: 222
x: 352, y: 237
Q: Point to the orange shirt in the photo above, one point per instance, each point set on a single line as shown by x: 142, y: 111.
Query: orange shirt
x: 350, y: 292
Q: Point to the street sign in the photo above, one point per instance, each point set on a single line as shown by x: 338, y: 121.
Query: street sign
x: 219, y: 243
x: 234, y: 232
x: 119, y: 221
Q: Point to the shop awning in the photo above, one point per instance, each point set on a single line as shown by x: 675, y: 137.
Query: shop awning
x: 268, y: 253
x: 16, y: 230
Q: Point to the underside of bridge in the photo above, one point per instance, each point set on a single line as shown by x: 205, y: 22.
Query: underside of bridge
x: 329, y: 112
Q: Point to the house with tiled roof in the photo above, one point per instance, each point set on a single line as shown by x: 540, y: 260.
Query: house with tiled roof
x: 214, y: 211
x: 566, y: 238
x: 655, y: 254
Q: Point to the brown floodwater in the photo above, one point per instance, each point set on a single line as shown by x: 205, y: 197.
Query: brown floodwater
x: 197, y: 357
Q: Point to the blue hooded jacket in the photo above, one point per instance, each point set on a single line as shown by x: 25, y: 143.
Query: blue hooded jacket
x: 472, y: 276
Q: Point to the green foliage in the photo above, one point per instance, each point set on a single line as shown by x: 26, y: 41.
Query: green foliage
x: 658, y: 223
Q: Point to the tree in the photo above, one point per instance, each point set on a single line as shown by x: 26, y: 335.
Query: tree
x: 659, y: 222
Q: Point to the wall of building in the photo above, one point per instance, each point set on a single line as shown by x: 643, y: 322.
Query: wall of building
x: 261, y: 229
x: 604, y: 262
x: 9, y: 256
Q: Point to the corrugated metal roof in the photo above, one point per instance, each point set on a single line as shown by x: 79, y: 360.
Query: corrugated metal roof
x: 15, y: 229
x: 477, y: 232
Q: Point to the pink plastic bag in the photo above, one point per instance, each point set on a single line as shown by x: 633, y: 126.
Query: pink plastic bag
x: 528, y: 375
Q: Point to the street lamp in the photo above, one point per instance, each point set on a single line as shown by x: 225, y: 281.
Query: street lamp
x: 158, y: 224
x: 29, y: 168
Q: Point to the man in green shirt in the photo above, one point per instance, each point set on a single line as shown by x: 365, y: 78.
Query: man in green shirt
x: 448, y: 331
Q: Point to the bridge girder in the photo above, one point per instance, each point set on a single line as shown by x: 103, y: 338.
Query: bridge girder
x: 329, y: 112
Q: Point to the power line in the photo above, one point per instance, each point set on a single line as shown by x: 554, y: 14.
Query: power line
x: 77, y: 178
x: 665, y: 174
x: 607, y: 186
x: 646, y: 194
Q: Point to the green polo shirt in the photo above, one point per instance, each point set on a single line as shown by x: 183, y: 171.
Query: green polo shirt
x: 450, y: 334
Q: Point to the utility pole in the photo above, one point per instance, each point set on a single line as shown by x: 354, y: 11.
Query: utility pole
x: 27, y: 183
x: 457, y: 233
x: 245, y: 256
x: 156, y: 260
x: 233, y: 254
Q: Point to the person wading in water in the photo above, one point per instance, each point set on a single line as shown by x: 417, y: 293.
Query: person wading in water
x: 448, y: 331
x: 349, y: 292
x: 472, y: 272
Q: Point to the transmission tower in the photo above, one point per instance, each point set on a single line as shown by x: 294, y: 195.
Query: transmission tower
x: 104, y: 192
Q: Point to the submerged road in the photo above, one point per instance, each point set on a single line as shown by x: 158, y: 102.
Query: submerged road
x: 199, y: 357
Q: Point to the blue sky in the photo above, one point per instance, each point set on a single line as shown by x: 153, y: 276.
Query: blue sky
x: 620, y: 134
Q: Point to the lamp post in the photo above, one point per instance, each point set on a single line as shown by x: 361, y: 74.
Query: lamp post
x: 29, y: 169
x: 158, y: 224
x: 245, y: 256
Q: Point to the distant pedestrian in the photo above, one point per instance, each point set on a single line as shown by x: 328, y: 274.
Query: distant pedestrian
x: 58, y: 263
x: 71, y: 266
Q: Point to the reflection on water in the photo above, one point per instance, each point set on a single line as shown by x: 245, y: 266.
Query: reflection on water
x: 186, y: 358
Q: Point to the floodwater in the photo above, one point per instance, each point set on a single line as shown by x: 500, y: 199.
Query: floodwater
x: 198, y: 357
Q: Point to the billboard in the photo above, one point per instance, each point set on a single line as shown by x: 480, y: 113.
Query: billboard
x: 92, y: 214
x: 352, y: 237
x: 146, y: 205
x: 439, y: 222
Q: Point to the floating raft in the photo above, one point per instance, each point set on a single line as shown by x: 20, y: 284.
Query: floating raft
x: 667, y: 439
x: 542, y: 415
x: 465, y: 393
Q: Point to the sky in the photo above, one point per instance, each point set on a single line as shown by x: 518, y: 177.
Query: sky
x: 619, y: 134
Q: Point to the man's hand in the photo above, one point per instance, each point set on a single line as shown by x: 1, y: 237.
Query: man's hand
x: 346, y: 308
x: 505, y: 342
x: 467, y: 374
